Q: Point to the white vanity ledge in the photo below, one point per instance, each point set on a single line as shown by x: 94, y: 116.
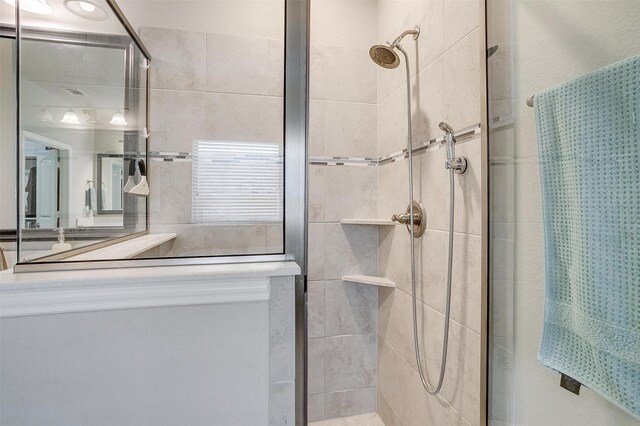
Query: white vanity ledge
x: 379, y: 222
x: 366, y: 279
x: 126, y: 249
x: 38, y: 293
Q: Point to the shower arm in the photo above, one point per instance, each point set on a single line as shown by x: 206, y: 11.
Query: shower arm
x: 415, y: 32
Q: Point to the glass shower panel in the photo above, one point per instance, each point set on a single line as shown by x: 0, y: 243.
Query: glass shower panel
x: 535, y: 45
x: 216, y: 121
x: 109, y: 93
x: 83, y: 123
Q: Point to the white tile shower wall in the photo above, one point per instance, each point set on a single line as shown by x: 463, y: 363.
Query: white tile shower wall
x: 342, y: 320
x: 263, y: 19
x: 258, y: 70
x: 202, y: 87
x: 281, y: 351
x: 445, y: 86
x: 342, y: 316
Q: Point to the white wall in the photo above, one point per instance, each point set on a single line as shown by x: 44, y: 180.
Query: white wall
x: 164, y: 366
x: 98, y: 361
x: 541, y: 44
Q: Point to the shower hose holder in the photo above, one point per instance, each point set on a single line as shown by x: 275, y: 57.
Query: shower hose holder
x: 458, y: 165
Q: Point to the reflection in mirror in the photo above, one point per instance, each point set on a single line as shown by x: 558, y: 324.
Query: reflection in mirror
x: 46, y: 177
x: 82, y: 117
x: 109, y: 183
x: 74, y: 119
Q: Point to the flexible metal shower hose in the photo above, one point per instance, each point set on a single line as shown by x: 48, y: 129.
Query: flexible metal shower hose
x: 443, y: 359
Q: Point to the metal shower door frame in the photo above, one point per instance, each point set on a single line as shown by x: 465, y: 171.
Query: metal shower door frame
x: 296, y: 95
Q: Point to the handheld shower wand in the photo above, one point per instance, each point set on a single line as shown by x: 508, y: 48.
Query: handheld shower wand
x: 457, y: 164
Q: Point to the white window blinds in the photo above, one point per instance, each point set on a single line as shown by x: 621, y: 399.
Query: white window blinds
x: 237, y: 182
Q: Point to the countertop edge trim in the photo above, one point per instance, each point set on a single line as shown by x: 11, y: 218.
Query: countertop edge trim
x: 126, y: 294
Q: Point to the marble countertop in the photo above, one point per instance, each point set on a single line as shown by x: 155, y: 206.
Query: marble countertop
x: 56, y: 292
x: 90, y: 277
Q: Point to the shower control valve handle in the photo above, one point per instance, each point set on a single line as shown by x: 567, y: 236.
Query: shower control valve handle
x: 404, y: 218
x: 419, y: 219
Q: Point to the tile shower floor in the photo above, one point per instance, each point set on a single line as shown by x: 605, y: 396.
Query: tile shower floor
x: 371, y: 419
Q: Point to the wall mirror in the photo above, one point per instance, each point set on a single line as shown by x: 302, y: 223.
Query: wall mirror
x: 83, y: 116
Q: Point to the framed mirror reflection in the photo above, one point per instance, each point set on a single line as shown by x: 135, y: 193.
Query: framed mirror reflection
x: 83, y: 102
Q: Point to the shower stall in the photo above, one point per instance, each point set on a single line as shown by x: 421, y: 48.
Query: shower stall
x: 377, y: 297
x: 318, y: 212
x: 395, y: 292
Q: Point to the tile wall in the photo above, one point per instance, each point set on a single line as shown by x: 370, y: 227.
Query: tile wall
x: 358, y: 110
x: 202, y: 88
x: 282, y: 371
x: 343, y: 116
x: 445, y: 86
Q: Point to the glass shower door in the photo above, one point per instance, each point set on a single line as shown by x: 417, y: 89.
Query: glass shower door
x: 533, y: 46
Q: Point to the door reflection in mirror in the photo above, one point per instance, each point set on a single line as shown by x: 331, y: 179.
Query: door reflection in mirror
x: 46, y: 182
x: 110, y: 182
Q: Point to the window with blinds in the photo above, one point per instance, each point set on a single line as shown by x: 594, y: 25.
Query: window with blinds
x: 237, y: 182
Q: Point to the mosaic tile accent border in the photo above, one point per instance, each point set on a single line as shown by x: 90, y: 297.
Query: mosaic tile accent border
x: 463, y: 136
x: 170, y: 156
x: 343, y: 161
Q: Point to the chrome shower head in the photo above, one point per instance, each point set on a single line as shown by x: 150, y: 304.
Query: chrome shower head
x: 384, y: 56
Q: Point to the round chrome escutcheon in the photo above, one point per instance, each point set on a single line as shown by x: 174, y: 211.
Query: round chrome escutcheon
x: 420, y: 225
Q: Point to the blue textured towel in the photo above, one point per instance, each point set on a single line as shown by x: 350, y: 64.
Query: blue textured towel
x: 589, y: 147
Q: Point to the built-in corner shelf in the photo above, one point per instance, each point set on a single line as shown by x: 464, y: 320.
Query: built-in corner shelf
x: 377, y: 222
x: 366, y: 279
